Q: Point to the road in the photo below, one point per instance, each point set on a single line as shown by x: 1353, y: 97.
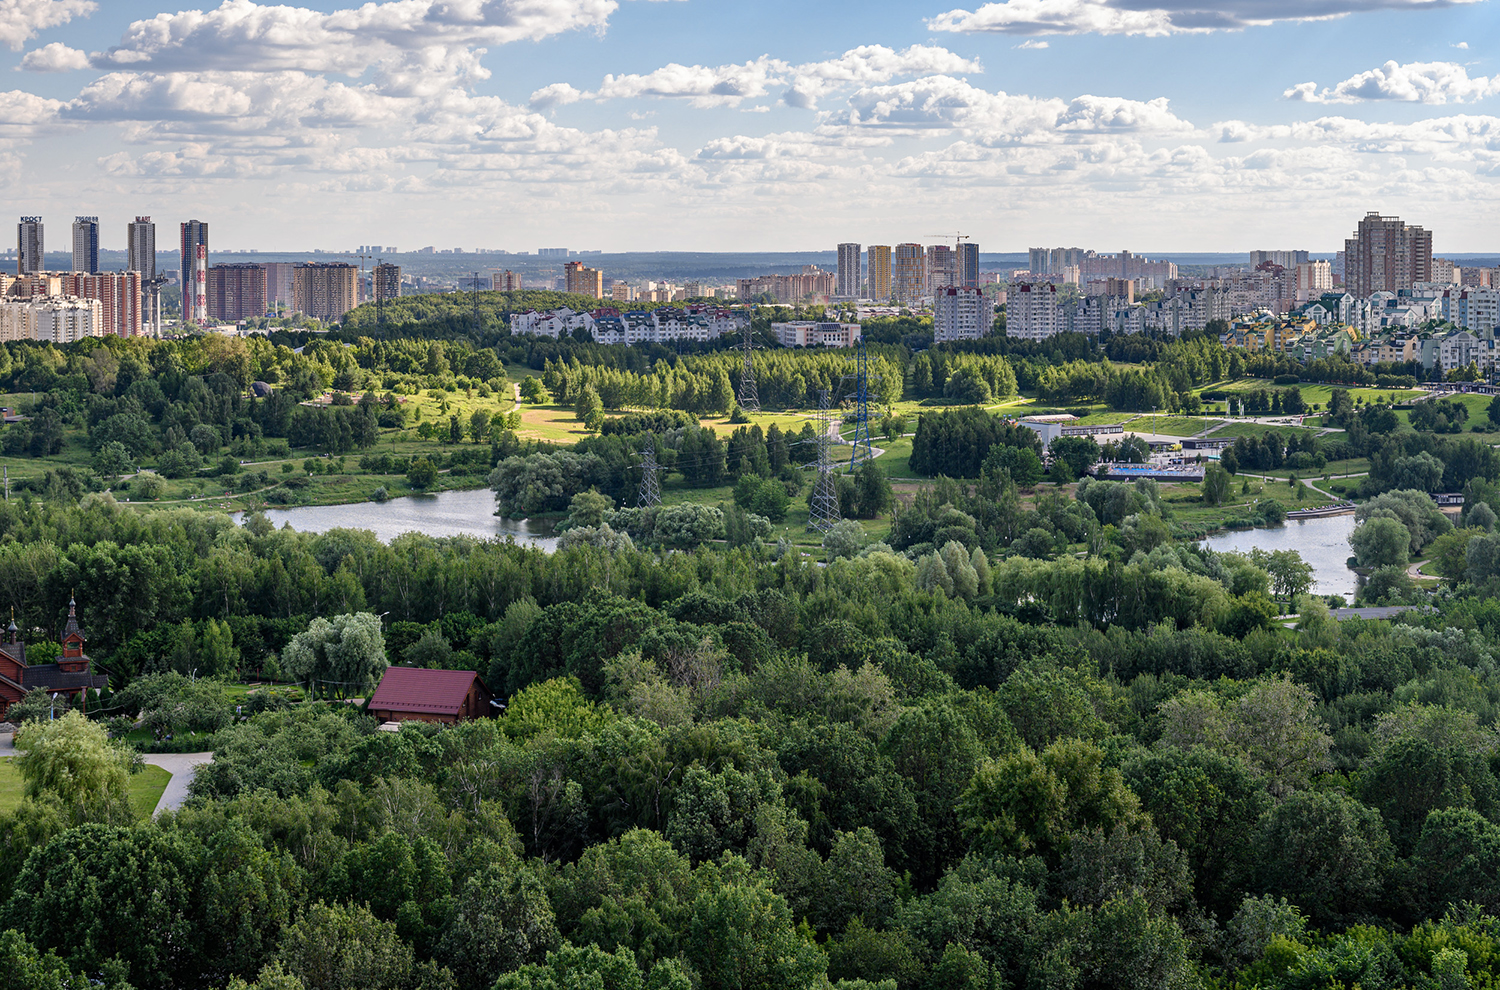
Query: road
x: 183, y: 767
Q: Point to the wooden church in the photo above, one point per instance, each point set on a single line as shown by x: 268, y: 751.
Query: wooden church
x: 70, y: 676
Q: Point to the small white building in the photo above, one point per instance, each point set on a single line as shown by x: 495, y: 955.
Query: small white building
x: 807, y: 333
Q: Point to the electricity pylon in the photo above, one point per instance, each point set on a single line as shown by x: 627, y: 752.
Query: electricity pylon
x: 749, y: 397
x: 823, y: 510
x: 650, y: 484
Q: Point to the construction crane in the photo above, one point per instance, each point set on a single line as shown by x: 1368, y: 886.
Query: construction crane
x: 958, y: 241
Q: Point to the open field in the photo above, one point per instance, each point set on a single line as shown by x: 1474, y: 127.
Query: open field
x: 1316, y: 394
x: 1246, y: 429
x: 144, y: 789
x: 1354, y: 465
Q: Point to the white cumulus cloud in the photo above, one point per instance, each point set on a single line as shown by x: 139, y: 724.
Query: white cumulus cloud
x: 805, y: 83
x: 56, y: 57
x: 1033, y: 17
x: 20, y: 20
x: 1414, y: 82
x: 416, y: 46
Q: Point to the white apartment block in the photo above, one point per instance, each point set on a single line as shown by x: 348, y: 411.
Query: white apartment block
x: 1032, y: 312
x: 1477, y: 310
x: 610, y: 326
x: 58, y: 319
x: 960, y: 314
x: 807, y: 333
x: 1458, y: 350
x: 1313, y: 279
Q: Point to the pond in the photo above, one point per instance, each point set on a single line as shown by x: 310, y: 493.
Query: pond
x: 467, y: 513
x: 1323, y: 543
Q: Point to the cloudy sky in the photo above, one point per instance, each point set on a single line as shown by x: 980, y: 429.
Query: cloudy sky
x: 1195, y: 125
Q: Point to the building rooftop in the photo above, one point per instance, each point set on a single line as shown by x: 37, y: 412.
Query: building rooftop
x: 415, y: 689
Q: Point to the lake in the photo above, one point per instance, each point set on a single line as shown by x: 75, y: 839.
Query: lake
x: 1323, y: 543
x: 468, y: 513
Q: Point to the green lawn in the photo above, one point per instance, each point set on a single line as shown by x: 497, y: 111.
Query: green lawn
x: 145, y: 788
x: 1319, y: 394
x: 1190, y: 512
x: 1256, y: 430
x: 1354, y: 465
x: 1171, y: 426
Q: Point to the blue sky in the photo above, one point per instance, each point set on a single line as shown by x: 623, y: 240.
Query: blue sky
x: 1195, y: 125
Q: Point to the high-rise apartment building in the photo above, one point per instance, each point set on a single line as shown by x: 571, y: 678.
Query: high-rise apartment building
x: 1052, y: 261
x: 584, y: 280
x: 959, y: 313
x: 196, y: 292
x: 1443, y: 272
x: 140, y: 247
x: 908, y: 274
x: 879, y: 273
x: 194, y: 235
x: 1313, y: 279
x: 86, y: 244
x: 1286, y: 259
x: 942, y: 268
x: 279, y: 277
x: 118, y: 295
x: 236, y: 292
x: 847, y: 281
x: 968, y: 265
x: 509, y: 281
x: 30, y: 247
x: 1032, y: 312
x: 385, y: 281
x: 1386, y: 255
x: 325, y: 291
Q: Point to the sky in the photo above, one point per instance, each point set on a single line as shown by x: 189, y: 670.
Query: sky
x: 775, y: 125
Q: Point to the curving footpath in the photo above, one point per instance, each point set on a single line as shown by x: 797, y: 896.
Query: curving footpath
x: 183, y: 767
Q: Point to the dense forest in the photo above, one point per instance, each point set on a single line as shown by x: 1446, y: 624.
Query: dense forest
x: 1035, y: 737
x: 729, y: 768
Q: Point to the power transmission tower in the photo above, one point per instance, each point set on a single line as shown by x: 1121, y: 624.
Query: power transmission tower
x: 749, y: 397
x: 650, y: 483
x: 823, y: 511
x: 862, y: 449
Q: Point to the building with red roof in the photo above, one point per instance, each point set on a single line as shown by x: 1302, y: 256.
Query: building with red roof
x: 415, y: 694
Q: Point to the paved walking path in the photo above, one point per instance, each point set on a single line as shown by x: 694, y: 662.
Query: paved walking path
x: 183, y: 767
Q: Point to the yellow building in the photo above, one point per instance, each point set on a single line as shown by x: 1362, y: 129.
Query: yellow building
x: 879, y: 271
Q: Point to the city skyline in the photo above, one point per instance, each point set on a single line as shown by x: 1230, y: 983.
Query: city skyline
x: 603, y: 123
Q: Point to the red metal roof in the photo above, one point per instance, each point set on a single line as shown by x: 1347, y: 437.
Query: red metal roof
x: 415, y: 689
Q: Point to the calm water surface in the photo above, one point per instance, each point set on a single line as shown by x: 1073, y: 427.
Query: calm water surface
x: 470, y: 513
x: 1323, y: 543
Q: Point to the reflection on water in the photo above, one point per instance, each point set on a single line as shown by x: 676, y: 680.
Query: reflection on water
x: 470, y: 513
x: 1323, y: 543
